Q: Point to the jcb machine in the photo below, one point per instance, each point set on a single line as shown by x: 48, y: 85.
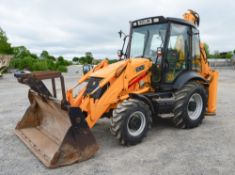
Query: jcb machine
x: 164, y: 70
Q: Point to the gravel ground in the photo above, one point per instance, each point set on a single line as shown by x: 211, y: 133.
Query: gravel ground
x: 208, y: 149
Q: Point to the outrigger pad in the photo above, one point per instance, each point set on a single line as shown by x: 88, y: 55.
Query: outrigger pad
x: 47, y: 131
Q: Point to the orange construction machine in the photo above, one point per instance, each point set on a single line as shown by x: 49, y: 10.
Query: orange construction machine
x: 163, y: 70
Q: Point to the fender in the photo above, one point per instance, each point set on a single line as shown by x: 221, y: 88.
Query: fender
x: 144, y: 99
x: 186, y: 77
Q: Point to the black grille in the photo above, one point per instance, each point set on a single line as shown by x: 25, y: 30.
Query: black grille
x: 93, y: 83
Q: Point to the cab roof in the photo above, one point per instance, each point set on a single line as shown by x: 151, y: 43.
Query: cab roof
x: 159, y: 19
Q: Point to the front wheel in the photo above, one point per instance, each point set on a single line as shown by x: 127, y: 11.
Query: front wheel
x: 130, y: 121
x: 190, y: 105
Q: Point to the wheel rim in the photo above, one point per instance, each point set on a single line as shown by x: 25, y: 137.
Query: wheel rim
x: 136, y: 123
x: 195, y: 106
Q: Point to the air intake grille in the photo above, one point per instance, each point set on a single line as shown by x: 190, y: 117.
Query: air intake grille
x: 93, y: 83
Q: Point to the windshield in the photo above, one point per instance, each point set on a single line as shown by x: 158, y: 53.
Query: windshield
x: 145, y: 40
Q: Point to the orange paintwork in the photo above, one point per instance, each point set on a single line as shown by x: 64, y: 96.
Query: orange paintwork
x: 212, y: 96
x: 212, y: 77
x: 123, y: 78
x: 102, y: 73
x: 119, y: 75
x: 206, y: 71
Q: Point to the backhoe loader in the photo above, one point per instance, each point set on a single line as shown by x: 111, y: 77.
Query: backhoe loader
x: 162, y: 71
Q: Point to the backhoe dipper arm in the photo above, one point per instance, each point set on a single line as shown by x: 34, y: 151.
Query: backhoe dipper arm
x: 206, y: 71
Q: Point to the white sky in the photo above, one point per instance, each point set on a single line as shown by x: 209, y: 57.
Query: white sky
x: 72, y: 27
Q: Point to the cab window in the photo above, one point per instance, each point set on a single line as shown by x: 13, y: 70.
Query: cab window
x: 138, y: 40
x: 177, y: 53
x: 196, y: 56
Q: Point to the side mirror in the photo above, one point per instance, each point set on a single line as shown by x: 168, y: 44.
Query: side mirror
x: 120, y: 33
x: 119, y: 54
x: 86, y: 68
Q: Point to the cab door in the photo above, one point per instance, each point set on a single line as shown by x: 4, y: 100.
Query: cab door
x: 177, y: 53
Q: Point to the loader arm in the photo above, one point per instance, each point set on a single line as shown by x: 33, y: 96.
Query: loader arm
x: 108, y: 86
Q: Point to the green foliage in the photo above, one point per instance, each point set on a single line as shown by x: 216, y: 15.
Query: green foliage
x: 63, y: 62
x: 33, y: 64
x: 51, y: 64
x: 75, y: 59
x: 24, y: 59
x: 206, y: 46
x: 15, y: 63
x: 46, y: 55
x: 21, y: 52
x: 5, y: 46
x: 60, y: 59
x: 27, y: 63
x: 111, y: 61
x: 62, y: 68
x: 229, y: 55
x: 217, y: 54
x: 87, y: 59
x: 40, y: 65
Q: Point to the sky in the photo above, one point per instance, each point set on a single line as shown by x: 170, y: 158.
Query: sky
x: 72, y: 27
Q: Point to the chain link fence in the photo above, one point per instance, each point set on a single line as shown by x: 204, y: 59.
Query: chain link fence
x: 221, y: 62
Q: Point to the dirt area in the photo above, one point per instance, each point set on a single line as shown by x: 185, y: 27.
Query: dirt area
x: 208, y: 149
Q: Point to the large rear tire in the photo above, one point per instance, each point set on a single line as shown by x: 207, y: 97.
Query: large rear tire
x: 190, y: 105
x: 131, y: 121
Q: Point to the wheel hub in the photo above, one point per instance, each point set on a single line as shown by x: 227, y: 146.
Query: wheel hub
x: 192, y: 106
x: 136, y: 123
x: 195, y: 106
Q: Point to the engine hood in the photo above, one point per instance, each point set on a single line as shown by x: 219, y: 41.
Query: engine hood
x: 132, y: 63
x: 111, y: 68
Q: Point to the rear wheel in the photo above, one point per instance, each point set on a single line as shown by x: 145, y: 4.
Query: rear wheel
x: 130, y: 121
x: 190, y: 105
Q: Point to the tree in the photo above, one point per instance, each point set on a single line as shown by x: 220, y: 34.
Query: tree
x: 229, y: 55
x: 75, y: 59
x: 60, y: 59
x: 21, y: 52
x: 46, y: 55
x: 88, y: 54
x: 88, y: 57
x: 206, y: 46
x: 5, y: 46
x: 111, y: 61
x: 216, y: 54
x: 24, y: 59
x: 33, y: 55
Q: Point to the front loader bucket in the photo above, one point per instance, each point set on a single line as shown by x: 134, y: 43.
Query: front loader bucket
x: 48, y: 131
